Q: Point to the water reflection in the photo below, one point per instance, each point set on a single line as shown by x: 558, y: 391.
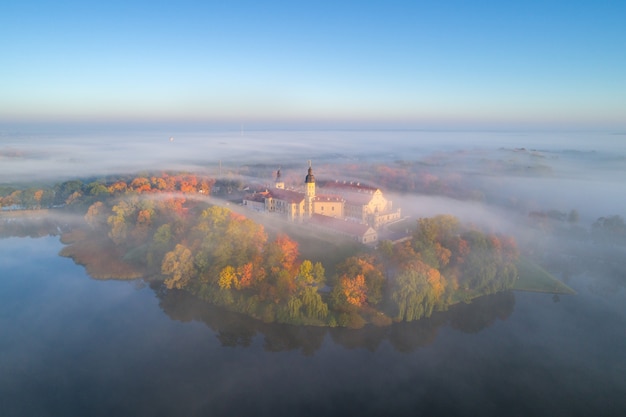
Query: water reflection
x: 11, y: 225
x: 233, y: 329
x: 72, y: 346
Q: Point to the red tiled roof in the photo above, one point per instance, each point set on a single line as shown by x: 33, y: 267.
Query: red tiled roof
x: 287, y: 195
x: 350, y: 186
x: 358, y: 200
x: 258, y: 197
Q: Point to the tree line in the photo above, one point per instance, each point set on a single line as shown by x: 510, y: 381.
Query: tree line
x: 77, y: 191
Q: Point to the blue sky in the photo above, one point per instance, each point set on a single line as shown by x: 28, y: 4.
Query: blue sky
x: 392, y: 63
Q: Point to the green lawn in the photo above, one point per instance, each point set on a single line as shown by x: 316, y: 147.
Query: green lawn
x: 534, y: 278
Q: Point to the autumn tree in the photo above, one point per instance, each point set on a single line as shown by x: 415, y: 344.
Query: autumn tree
x: 188, y: 183
x: 14, y: 198
x: 403, y: 257
x: 158, y: 183
x: 73, y: 198
x: 205, y: 186
x: 430, y: 237
x: 117, y: 187
x: 37, y: 196
x: 354, y: 289
x: 94, y: 215
x: 281, y: 254
x: 174, y: 206
x: 287, y: 251
x: 228, y: 278
x: 178, y: 266
x: 245, y: 274
x: 118, y: 230
x: 118, y: 220
x: 236, y: 278
x: 141, y: 184
x: 365, y: 265
x: 143, y: 224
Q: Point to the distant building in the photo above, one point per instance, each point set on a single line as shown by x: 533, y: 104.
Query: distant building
x: 348, y: 208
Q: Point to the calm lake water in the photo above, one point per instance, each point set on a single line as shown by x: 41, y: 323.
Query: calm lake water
x: 74, y: 346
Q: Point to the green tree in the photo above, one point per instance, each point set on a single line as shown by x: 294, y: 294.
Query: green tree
x: 310, y: 274
x: 64, y: 190
x: 97, y: 189
x: 163, y: 235
x: 314, y: 306
x: 611, y: 229
x: 319, y: 274
x: 412, y: 295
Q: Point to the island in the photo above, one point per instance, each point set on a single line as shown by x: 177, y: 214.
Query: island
x: 320, y: 253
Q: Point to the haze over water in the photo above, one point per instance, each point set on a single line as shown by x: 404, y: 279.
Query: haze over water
x: 76, y: 346
x: 73, y: 346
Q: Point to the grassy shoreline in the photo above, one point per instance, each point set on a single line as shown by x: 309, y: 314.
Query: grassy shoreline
x: 533, y: 278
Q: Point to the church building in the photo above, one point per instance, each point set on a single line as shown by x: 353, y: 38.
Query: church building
x: 347, y: 208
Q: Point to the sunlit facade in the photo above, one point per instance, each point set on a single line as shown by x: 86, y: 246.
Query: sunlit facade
x: 362, y: 208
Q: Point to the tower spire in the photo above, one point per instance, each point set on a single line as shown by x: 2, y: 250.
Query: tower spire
x: 310, y: 191
x: 279, y: 183
x: 310, y: 178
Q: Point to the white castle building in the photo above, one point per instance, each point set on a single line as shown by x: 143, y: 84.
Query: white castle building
x: 352, y: 209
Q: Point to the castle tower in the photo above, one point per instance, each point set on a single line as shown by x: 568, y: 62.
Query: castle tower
x: 279, y: 181
x: 309, y: 183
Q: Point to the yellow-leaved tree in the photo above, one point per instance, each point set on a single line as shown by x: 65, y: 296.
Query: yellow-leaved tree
x: 178, y: 265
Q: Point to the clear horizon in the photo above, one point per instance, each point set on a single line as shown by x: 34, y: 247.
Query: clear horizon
x: 448, y: 65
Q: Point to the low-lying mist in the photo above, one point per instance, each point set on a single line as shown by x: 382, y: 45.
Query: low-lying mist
x: 561, y: 196
x: 492, y: 179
